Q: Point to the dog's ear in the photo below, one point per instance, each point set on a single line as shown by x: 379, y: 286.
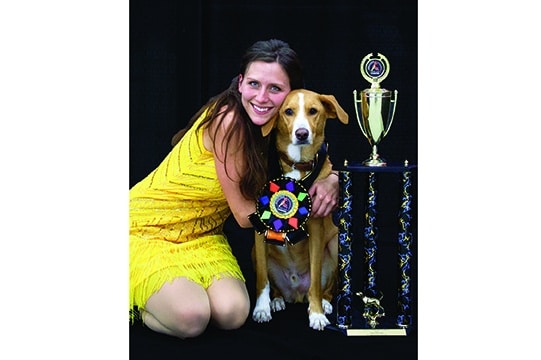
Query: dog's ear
x: 334, y: 109
x: 267, y: 128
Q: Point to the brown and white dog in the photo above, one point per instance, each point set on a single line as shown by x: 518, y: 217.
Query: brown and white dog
x: 307, y: 270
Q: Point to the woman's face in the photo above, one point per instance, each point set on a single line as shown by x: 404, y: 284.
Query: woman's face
x: 263, y: 88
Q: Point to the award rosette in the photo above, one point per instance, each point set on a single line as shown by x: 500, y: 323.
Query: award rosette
x: 284, y: 206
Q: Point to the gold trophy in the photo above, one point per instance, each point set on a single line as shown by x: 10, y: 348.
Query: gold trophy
x: 376, y: 105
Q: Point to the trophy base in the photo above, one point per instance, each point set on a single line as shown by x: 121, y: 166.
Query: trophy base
x: 376, y: 332
x: 375, y: 162
x: 386, y: 326
x: 386, y: 329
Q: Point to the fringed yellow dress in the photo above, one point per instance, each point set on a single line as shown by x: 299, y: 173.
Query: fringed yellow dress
x: 176, y: 223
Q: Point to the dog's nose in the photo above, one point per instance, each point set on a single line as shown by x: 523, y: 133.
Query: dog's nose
x: 301, y: 134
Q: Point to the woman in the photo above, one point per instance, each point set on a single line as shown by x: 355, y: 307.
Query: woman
x: 183, y: 274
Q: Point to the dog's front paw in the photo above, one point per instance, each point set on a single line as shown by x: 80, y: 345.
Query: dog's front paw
x: 262, y: 309
x: 261, y: 315
x: 318, y: 321
x: 327, y: 307
x: 278, y: 304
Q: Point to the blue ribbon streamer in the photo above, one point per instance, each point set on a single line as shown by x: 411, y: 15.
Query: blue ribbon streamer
x: 404, y: 317
x: 343, y: 299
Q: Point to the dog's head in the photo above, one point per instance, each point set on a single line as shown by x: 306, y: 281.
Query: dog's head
x: 302, y: 117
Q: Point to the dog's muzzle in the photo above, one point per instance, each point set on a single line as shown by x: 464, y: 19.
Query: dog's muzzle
x: 302, y: 135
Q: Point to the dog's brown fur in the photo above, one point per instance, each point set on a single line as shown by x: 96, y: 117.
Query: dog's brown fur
x: 289, y: 270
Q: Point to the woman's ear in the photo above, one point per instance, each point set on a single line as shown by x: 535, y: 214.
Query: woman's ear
x: 239, y: 82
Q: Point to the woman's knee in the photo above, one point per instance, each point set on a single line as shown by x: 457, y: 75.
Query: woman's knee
x: 229, y: 315
x: 183, y: 322
x: 182, y: 326
x: 180, y: 308
x: 230, y: 312
x: 189, y: 321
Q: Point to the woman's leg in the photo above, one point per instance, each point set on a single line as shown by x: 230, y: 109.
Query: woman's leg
x: 229, y: 303
x: 180, y: 308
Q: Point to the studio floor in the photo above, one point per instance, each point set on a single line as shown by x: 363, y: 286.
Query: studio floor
x: 287, y: 336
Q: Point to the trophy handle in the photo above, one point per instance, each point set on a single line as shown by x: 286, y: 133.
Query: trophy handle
x: 358, y: 100
x: 392, y: 109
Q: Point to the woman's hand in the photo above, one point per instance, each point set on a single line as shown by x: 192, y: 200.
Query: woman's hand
x: 324, y: 193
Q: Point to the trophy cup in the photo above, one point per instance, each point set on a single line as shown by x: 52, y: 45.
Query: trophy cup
x: 376, y: 105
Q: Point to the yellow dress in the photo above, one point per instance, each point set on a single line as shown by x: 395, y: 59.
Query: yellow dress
x: 176, y: 223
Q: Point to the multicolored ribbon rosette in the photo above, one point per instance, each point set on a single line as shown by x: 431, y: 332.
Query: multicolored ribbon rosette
x: 284, y: 206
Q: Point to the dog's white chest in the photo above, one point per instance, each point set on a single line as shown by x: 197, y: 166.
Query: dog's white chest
x: 295, y: 174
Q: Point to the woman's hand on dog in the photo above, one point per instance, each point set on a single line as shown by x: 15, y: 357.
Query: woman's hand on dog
x: 324, y: 193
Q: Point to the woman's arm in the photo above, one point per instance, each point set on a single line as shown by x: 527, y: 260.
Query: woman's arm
x: 230, y: 172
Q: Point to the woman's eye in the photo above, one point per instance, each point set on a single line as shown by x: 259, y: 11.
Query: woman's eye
x: 275, y: 89
x: 254, y: 84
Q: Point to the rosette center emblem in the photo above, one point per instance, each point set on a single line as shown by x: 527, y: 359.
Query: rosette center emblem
x: 284, y: 204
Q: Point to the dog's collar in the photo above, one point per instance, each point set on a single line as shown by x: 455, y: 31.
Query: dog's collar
x: 313, y: 167
x: 301, y: 165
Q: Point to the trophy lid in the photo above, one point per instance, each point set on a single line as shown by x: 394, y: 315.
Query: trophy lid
x: 375, y: 68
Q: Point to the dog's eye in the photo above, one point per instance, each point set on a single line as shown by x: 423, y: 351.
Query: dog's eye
x: 313, y: 111
x: 288, y: 112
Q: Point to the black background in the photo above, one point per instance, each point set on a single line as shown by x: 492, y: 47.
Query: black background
x: 182, y: 53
